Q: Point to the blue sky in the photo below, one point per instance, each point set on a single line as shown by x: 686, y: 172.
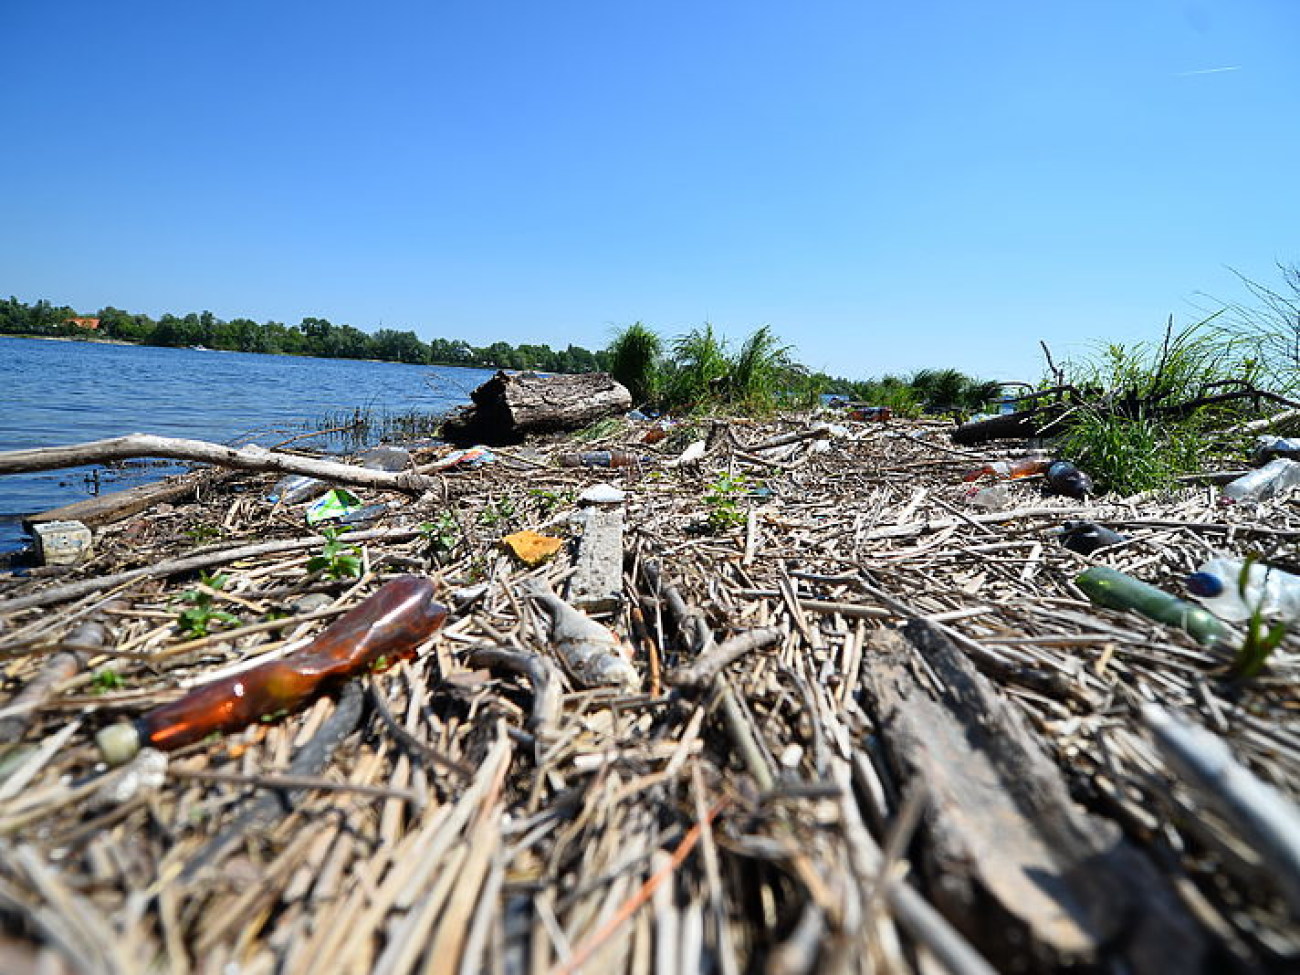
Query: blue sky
x: 890, y: 186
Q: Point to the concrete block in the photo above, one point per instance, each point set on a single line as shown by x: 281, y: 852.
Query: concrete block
x: 596, y: 585
x: 61, y: 542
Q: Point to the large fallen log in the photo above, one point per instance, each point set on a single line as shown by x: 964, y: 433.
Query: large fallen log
x: 510, y: 406
x: 1035, y: 881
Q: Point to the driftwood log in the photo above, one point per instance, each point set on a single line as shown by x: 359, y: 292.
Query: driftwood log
x: 116, y: 505
x: 249, y: 458
x: 510, y: 406
x: 1035, y: 881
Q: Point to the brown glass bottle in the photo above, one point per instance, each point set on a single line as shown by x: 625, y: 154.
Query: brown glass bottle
x: 390, y: 624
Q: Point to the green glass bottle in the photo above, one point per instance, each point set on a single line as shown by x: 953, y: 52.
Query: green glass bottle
x: 1110, y: 587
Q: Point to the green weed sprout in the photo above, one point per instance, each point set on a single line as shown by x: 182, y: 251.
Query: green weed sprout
x: 1261, y: 638
x: 498, y: 511
x: 723, y: 501
x: 203, y: 533
x: 337, y: 559
x: 441, y: 534
x: 198, y: 620
x: 106, y: 680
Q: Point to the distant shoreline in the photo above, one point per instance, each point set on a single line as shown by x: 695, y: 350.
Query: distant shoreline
x: 68, y: 338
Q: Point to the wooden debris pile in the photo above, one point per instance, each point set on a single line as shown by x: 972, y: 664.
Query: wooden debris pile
x: 854, y: 724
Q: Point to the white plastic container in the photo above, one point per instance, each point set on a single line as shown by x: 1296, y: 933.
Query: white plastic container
x: 1215, y: 586
x: 1275, y: 476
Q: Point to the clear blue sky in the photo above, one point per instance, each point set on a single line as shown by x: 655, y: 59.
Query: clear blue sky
x: 890, y: 186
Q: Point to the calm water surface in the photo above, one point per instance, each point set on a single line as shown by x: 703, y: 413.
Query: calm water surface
x: 54, y: 393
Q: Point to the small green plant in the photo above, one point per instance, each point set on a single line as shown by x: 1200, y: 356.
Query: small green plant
x: 202, y: 533
x: 723, y: 501
x: 337, y: 559
x: 549, y: 501
x: 1261, y: 637
x: 498, y: 511
x: 106, y: 680
x: 441, y: 534
x: 198, y: 620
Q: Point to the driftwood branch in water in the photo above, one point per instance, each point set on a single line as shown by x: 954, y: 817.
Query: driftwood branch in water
x: 250, y: 458
x: 116, y: 505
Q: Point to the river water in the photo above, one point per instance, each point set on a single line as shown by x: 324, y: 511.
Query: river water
x: 54, y: 393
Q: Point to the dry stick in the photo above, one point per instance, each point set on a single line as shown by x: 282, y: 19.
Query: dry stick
x: 935, y: 524
x: 412, y: 744
x: 819, y: 432
x: 296, y: 782
x: 714, y: 660
x: 910, y: 909
x: 587, y: 948
x: 541, y: 673
x: 698, y: 635
x: 1051, y: 683
x: 60, y: 667
x: 84, y: 587
x: 250, y: 458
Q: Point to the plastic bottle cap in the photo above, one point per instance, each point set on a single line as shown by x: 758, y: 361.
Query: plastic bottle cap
x: 1205, y: 584
x: 118, y: 743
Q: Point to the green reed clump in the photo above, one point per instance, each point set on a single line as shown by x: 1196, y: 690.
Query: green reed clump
x: 699, y: 373
x: 1146, y: 426
x: 635, y: 362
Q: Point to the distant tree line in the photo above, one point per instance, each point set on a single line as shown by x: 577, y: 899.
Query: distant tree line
x: 698, y: 370
x: 311, y: 337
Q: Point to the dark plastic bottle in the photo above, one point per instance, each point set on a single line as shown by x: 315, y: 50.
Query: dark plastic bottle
x: 390, y: 624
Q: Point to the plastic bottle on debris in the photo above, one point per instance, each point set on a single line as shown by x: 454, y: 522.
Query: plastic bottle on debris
x: 384, y: 458
x: 1217, y: 586
x: 297, y: 487
x: 873, y: 414
x: 389, y: 625
x: 1085, y: 537
x: 599, y: 458
x: 301, y: 487
x: 1267, y: 447
x: 1067, y: 479
x: 1110, y: 587
x: 1275, y: 476
x: 1013, y: 469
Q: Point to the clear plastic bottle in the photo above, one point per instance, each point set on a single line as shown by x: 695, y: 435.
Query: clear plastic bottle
x: 1267, y: 447
x: 1216, y: 585
x: 1276, y: 475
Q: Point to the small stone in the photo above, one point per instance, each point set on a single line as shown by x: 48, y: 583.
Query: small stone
x: 602, y: 494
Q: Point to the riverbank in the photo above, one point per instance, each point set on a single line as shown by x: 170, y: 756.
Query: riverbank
x: 840, y: 664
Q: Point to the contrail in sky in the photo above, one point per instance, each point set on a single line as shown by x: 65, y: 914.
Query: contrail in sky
x: 1184, y: 74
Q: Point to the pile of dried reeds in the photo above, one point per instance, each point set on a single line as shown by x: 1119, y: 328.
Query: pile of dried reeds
x: 877, y: 730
